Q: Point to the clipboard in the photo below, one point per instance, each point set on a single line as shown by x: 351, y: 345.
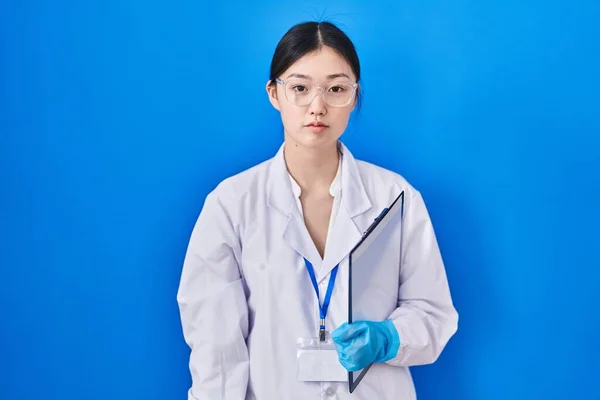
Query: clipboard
x: 367, y: 239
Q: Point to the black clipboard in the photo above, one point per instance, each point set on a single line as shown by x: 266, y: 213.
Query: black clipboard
x: 396, y: 206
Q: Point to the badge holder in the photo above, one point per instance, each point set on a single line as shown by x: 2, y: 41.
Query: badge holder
x: 318, y: 361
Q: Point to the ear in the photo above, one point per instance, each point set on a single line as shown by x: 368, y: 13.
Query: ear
x: 272, y: 93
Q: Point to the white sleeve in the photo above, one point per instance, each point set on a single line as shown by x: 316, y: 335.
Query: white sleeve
x: 425, y: 318
x: 213, y: 307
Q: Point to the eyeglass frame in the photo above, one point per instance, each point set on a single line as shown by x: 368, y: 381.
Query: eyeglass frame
x: 352, y: 97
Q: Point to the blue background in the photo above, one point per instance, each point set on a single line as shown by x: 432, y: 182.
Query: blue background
x: 117, y: 118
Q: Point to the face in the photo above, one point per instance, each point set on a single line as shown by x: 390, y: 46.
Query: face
x: 316, y: 124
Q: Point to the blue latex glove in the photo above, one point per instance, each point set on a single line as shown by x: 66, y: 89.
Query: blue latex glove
x: 364, y: 342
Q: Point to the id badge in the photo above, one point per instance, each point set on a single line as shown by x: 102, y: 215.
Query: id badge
x: 318, y: 361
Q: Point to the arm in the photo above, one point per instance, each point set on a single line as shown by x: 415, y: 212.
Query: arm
x: 213, y: 308
x: 425, y: 318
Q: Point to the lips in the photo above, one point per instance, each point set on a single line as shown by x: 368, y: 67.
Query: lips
x: 316, y: 127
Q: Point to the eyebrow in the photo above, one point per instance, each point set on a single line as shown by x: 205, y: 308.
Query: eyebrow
x: 332, y: 76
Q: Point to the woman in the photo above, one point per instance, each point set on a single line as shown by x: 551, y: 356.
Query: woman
x: 264, y: 236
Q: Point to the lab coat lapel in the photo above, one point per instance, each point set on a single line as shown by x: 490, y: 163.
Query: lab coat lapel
x: 281, y: 199
x: 297, y: 237
x: 344, y: 236
x: 345, y: 231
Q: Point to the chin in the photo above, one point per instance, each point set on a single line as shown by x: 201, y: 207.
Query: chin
x: 315, y: 140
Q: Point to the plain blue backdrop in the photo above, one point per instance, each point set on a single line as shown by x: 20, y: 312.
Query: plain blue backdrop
x: 118, y: 117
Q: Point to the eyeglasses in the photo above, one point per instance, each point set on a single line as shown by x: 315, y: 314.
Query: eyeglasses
x: 302, y: 93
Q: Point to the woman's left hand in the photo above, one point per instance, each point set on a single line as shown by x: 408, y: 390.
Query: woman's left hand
x: 363, y: 342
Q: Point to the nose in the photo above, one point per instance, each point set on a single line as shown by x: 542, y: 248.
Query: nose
x: 317, y: 105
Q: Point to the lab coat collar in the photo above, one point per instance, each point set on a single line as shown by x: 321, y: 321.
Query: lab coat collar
x: 280, y: 191
x: 334, y: 189
x: 345, y: 233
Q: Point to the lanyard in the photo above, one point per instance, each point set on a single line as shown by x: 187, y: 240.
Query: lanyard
x: 322, y: 308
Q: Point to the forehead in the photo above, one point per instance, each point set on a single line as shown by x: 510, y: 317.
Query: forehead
x: 320, y: 64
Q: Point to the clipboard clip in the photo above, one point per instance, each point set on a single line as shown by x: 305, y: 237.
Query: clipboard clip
x: 376, y: 221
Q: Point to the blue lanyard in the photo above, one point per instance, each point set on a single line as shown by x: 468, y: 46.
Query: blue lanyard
x: 322, y: 308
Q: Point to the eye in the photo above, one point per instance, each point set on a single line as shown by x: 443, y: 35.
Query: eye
x: 337, y: 89
x: 299, y: 88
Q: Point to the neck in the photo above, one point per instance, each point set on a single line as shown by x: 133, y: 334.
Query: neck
x: 312, y: 169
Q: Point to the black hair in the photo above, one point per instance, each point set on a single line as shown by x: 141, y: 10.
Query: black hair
x: 307, y: 37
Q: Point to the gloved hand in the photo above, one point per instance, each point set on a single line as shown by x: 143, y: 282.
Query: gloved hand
x: 362, y: 342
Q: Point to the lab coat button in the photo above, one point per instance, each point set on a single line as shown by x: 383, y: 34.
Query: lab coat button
x: 261, y: 267
x: 330, y: 391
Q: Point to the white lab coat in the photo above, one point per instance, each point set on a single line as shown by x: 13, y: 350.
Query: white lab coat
x: 245, y: 296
